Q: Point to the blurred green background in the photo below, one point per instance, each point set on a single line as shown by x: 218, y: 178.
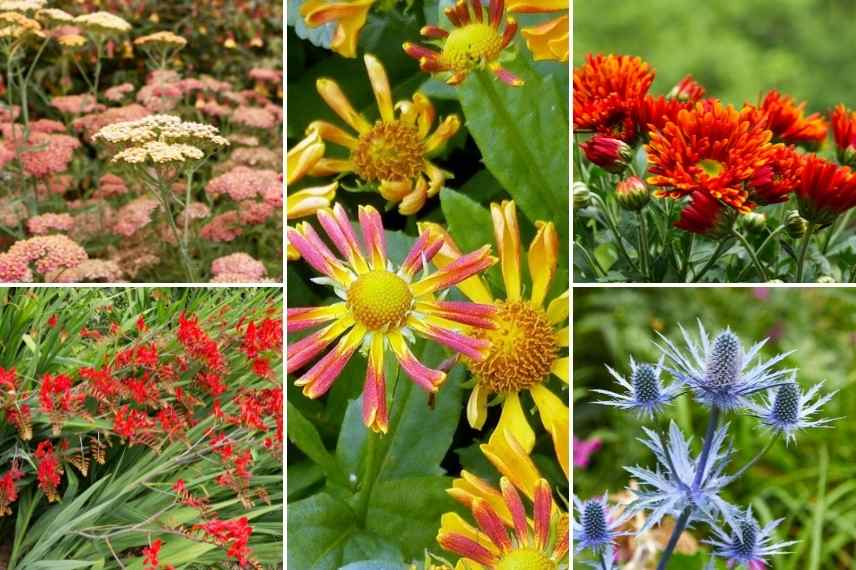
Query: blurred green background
x: 737, y: 50
x: 812, y: 483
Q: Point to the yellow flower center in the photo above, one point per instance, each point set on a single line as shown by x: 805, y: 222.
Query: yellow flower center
x: 523, y: 348
x: 380, y: 300
x: 389, y: 151
x: 712, y: 168
x: 525, y: 559
x: 471, y: 45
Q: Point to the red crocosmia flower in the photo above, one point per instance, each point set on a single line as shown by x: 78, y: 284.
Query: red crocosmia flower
x: 687, y: 89
x: 8, y: 489
x: 713, y: 149
x: 707, y: 216
x: 21, y: 417
x: 267, y: 335
x: 198, y: 344
x: 141, y: 324
x: 261, y: 367
x: 825, y: 191
x: 57, y: 400
x: 242, y: 465
x: 844, y: 133
x: 235, y: 534
x: 222, y: 446
x: 48, y: 470
x: 101, y: 384
x: 773, y: 182
x: 608, y: 89
x: 212, y: 383
x: 171, y: 422
x: 146, y: 355
x: 151, y: 555
x: 142, y: 390
x: 653, y: 113
x: 52, y: 321
x: 132, y: 425
x: 788, y: 122
x: 8, y: 380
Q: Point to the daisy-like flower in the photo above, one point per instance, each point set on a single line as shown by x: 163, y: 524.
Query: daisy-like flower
x: 393, y: 152
x: 791, y: 409
x: 712, y: 148
x: 645, y: 393
x: 347, y: 17
x: 540, y: 543
x: 844, y: 132
x: 707, y: 216
x: 596, y: 524
x: 382, y: 308
x: 788, y: 122
x: 747, y: 544
x: 825, y: 191
x: 476, y: 42
x: 718, y: 371
x: 608, y: 90
x: 675, y: 484
x: 527, y: 343
x: 774, y: 182
x: 548, y: 40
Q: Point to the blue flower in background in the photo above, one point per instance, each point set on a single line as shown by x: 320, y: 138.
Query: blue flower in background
x: 645, y: 393
x: 791, y: 409
x: 596, y: 525
x: 718, y: 371
x: 678, y: 483
x: 747, y: 544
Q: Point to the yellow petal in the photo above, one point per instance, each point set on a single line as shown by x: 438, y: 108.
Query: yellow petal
x: 507, y: 234
x: 543, y: 257
x: 303, y: 156
x: 477, y: 406
x: 474, y: 288
x: 548, y: 40
x: 452, y: 523
x: 561, y: 368
x: 350, y: 18
x: 424, y: 110
x: 536, y: 6
x: 395, y: 190
x: 413, y: 201
x: 331, y: 166
x: 559, y: 309
x: 444, y: 132
x: 563, y: 336
x: 336, y: 99
x: 380, y: 86
x: 309, y: 200
x: 510, y: 459
x: 514, y: 420
x: 332, y: 133
x: 556, y: 418
x: 436, y: 176
x: 293, y: 254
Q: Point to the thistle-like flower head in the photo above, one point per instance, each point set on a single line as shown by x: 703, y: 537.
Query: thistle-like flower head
x: 644, y: 392
x: 674, y: 486
x: 747, y: 544
x: 596, y: 525
x: 791, y: 409
x: 719, y: 371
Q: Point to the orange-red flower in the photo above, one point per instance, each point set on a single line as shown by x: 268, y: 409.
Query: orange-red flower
x: 654, y: 113
x: 844, y: 132
x: 773, y: 182
x: 712, y: 148
x: 825, y: 190
x: 788, y: 122
x: 707, y: 216
x: 608, y: 89
x: 687, y: 90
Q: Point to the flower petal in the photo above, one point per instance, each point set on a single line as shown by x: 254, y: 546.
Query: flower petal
x: 336, y: 99
x: 375, y: 415
x: 543, y: 512
x: 512, y: 461
x: 426, y: 378
x: 455, y: 272
x: 507, y: 234
x: 477, y: 407
x: 514, y: 420
x: 543, y: 258
x: 491, y: 524
x: 556, y: 418
x: 309, y: 200
x: 559, y: 309
x: 560, y: 368
x: 330, y: 132
x: 372, y: 227
x: 302, y: 156
x: 302, y: 318
x: 380, y: 86
x: 474, y: 287
x: 320, y: 377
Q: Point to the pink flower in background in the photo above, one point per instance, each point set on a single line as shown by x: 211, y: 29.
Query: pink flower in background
x: 46, y: 154
x: 254, y: 213
x: 47, y: 126
x: 134, y: 215
x: 91, y: 271
x: 195, y: 211
x: 241, y: 264
x: 224, y: 227
x: 266, y: 74
x: 118, y: 92
x: 49, y: 253
x: 110, y: 185
x: 243, y: 183
x: 76, y: 104
x: 214, y: 109
x: 47, y: 223
x: 761, y: 293
x: 584, y: 449
x: 14, y: 269
x: 255, y: 117
x: 7, y: 155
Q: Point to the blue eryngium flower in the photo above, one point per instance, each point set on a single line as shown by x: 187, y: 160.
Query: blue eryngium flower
x: 645, y: 394
x: 791, y: 410
x: 717, y: 371
x: 747, y: 544
x: 595, y: 524
x: 674, y: 485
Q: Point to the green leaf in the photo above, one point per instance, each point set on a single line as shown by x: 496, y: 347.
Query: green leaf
x: 303, y: 434
x: 468, y: 221
x: 522, y: 133
x: 60, y: 564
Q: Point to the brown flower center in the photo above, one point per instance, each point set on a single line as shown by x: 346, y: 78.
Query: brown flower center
x: 389, y: 151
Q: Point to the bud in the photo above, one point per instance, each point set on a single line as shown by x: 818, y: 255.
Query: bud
x: 825, y: 279
x: 632, y: 194
x: 754, y: 222
x: 687, y: 90
x: 725, y: 361
x: 582, y: 196
x: 612, y: 155
x: 847, y: 155
x: 786, y: 405
x: 707, y: 216
x: 646, y: 384
x: 594, y: 521
x: 795, y: 224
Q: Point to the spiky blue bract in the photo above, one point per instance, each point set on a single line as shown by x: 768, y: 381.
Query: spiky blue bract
x: 670, y: 488
x: 719, y: 371
x: 790, y: 409
x: 595, y: 524
x: 747, y: 544
x: 644, y: 393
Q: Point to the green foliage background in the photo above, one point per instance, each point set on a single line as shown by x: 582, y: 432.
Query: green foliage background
x: 810, y: 484
x: 737, y: 50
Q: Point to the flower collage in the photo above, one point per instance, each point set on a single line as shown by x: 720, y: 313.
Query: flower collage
x: 427, y: 285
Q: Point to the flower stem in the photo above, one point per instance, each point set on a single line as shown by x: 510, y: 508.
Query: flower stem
x: 764, y: 243
x: 673, y: 540
x: 751, y: 251
x: 721, y: 248
x: 803, y: 249
x: 643, y: 246
x: 758, y: 457
x: 369, y: 474
x: 607, y: 215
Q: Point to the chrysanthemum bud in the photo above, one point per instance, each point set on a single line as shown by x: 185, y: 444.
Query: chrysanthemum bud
x: 632, y: 194
x: 795, y: 224
x: 725, y: 360
x: 754, y: 222
x: 582, y: 196
x: 847, y: 156
x: 786, y: 405
x: 646, y: 385
x: 612, y: 155
x: 687, y: 89
x: 594, y: 522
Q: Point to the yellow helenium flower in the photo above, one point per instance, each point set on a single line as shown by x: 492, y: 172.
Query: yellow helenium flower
x: 527, y: 342
x: 350, y: 17
x: 550, y: 39
x: 392, y: 152
x: 306, y: 202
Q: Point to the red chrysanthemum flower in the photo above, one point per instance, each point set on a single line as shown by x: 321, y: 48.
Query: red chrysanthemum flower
x: 707, y: 216
x: 712, y: 148
x: 687, y: 90
x: 844, y: 132
x: 654, y: 113
x: 608, y: 90
x: 788, y: 122
x: 773, y: 182
x: 825, y: 190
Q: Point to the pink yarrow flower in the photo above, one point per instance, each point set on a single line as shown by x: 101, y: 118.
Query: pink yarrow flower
x: 49, y: 254
x: 47, y: 223
x: 243, y: 183
x: 134, y: 216
x: 239, y: 264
